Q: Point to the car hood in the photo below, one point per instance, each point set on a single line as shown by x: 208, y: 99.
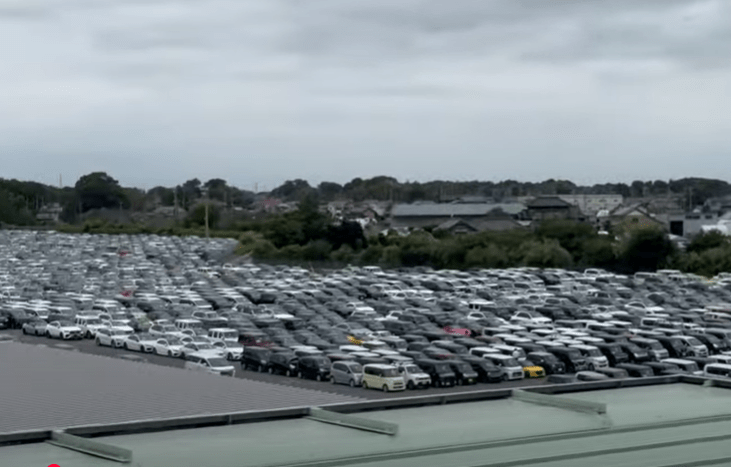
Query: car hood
x: 69, y: 328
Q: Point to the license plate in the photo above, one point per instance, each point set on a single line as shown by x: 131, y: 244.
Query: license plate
x: 471, y: 380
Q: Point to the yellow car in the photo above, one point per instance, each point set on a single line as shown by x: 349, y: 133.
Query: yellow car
x: 534, y: 371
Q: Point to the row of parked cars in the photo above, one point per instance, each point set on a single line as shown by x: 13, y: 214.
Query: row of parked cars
x: 365, y: 326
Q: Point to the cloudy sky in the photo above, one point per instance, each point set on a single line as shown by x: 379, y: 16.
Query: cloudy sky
x: 156, y: 92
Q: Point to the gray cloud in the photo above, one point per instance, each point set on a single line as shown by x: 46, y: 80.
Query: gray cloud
x: 159, y: 91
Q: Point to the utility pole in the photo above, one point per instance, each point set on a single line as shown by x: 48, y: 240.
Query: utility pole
x: 207, y: 236
x: 175, y: 204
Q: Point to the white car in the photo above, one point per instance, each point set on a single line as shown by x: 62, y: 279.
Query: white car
x: 140, y: 343
x: 209, y: 364
x: 64, y: 330
x: 530, y: 317
x: 111, y: 337
x: 203, y: 348
x: 119, y: 324
x: 163, y: 330
x: 168, y: 346
x: 232, y: 351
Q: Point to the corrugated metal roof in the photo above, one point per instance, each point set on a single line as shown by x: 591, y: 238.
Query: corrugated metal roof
x: 548, y: 202
x: 651, y: 426
x: 44, y: 388
x: 456, y: 210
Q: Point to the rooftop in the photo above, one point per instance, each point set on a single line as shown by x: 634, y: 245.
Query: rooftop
x: 664, y: 423
x: 456, y: 210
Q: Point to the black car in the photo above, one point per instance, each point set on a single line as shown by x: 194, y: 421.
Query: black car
x: 463, y: 371
x: 550, y: 363
x: 572, y: 358
x: 441, y: 374
x: 714, y: 344
x: 256, y: 358
x: 317, y: 367
x: 283, y: 363
x: 17, y: 318
x: 673, y: 345
x: 664, y: 369
x: 4, y: 321
x: 487, y: 372
x: 636, y: 354
x: 637, y: 371
x: 613, y: 352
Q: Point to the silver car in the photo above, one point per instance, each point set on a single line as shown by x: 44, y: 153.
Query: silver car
x: 347, y: 372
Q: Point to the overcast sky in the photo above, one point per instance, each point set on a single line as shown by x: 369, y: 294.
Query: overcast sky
x: 261, y: 91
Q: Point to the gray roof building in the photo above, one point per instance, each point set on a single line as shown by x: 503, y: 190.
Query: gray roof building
x: 454, y: 210
x: 653, y: 422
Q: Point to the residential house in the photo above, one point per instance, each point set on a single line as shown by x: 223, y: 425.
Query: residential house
x: 420, y: 215
x: 552, y: 207
x: 456, y: 227
x: 590, y: 205
x: 631, y: 217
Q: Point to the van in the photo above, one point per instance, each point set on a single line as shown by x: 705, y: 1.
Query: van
x: 717, y: 370
x: 510, y: 368
x: 693, y: 346
x: 385, y: 377
x: 224, y: 334
x: 209, y: 363
x: 192, y: 324
x: 593, y: 355
x: 654, y: 348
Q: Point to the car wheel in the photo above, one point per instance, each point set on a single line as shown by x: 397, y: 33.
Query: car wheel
x: 592, y: 368
x: 352, y: 383
x: 25, y: 331
x: 170, y: 353
x: 504, y: 378
x: 288, y: 373
x: 365, y: 385
x: 271, y: 370
x: 332, y: 379
x: 318, y: 378
x: 385, y: 388
x: 261, y: 369
x: 300, y: 375
x: 98, y: 341
x: 410, y: 385
x: 459, y: 382
x: 230, y: 356
x: 126, y: 347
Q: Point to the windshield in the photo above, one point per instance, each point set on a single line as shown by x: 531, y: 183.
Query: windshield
x: 205, y: 346
x: 168, y: 328
x: 93, y: 321
x: 218, y: 362
x: 508, y: 362
x: 356, y: 368
x: 442, y: 368
x: 694, y: 341
x: 594, y: 353
x: 655, y: 345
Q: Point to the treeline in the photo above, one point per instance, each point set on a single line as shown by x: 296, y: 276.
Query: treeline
x: 20, y: 201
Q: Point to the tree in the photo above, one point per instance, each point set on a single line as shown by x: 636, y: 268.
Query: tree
x: 329, y: 190
x: 197, y: 217
x: 707, y: 240
x: 98, y: 190
x: 646, y: 249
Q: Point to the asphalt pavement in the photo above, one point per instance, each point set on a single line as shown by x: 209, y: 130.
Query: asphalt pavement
x: 89, y: 346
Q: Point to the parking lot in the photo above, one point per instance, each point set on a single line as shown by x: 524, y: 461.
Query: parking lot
x: 170, y: 301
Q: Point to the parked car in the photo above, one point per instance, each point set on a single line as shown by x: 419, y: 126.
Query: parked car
x: 316, y: 367
x: 384, y: 377
x: 347, y: 372
x: 439, y: 372
x: 169, y: 346
x: 140, y: 343
x: 209, y: 363
x: 64, y: 330
x: 283, y: 363
x: 549, y: 362
x: 111, y: 337
x: 256, y: 358
x: 36, y: 327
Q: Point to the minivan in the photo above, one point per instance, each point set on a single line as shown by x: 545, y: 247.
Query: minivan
x: 572, y: 358
x: 653, y: 347
x: 314, y: 367
x: 346, y: 372
x: 693, y: 346
x: 385, y: 377
x: 510, y: 367
x: 593, y: 355
x: 439, y: 372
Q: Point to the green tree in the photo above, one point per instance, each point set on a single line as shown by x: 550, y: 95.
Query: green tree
x: 706, y: 241
x: 571, y: 235
x: 98, y: 190
x: 197, y: 216
x: 546, y: 254
x: 646, y: 249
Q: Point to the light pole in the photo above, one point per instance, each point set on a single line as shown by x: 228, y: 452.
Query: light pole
x: 205, y: 193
